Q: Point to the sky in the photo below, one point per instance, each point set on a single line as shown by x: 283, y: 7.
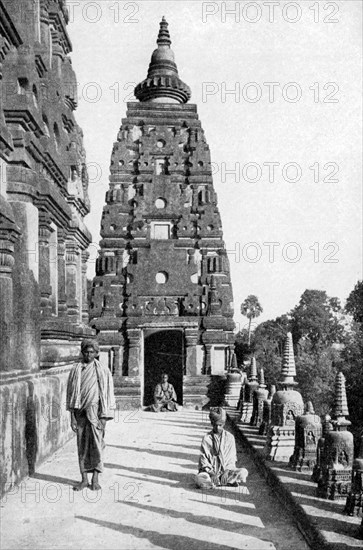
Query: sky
x: 277, y: 86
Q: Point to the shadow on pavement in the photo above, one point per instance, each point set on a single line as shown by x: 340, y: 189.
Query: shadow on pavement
x: 158, y: 539
x: 196, y: 447
x: 55, y: 479
x: 148, y: 450
x: 184, y: 480
x: 245, y: 527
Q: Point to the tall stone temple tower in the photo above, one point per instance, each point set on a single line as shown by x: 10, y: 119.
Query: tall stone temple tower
x: 162, y: 295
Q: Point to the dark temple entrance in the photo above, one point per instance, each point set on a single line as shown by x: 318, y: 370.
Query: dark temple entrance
x: 164, y: 352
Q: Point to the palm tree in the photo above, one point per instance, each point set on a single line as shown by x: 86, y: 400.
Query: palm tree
x: 251, y: 308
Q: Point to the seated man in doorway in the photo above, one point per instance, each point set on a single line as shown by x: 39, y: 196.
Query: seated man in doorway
x: 217, y: 460
x: 90, y: 400
x: 165, y: 398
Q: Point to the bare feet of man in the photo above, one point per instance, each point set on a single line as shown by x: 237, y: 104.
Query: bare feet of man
x: 82, y: 485
x: 95, y: 486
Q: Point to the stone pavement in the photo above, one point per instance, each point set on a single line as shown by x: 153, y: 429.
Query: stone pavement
x: 148, y: 498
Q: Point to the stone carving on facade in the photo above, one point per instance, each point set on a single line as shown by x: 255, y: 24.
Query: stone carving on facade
x: 161, y: 306
x: 190, y: 305
x: 43, y: 239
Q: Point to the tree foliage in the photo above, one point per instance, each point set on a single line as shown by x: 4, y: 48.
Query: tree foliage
x: 315, y: 320
x: 354, y: 304
x: 324, y: 343
x: 251, y: 308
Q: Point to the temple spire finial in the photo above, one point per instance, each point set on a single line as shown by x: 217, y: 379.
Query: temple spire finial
x: 163, y: 84
x: 253, y: 370
x: 340, y: 407
x: 163, y: 36
x: 288, y: 370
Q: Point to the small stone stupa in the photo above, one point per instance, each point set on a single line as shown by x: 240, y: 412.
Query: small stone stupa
x: 266, y: 414
x: 319, y: 466
x: 259, y: 397
x: 287, y: 404
x: 354, y: 504
x: 248, y: 390
x: 335, y: 481
x: 307, y: 434
x: 233, y: 384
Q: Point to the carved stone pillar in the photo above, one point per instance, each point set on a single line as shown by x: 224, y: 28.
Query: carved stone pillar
x: 62, y: 298
x: 208, y: 359
x: 134, y: 342
x: 84, y: 256
x: 44, y: 24
x: 72, y: 281
x: 45, y: 232
x: 119, y: 261
x: 191, y: 339
x: 117, y: 364
x: 7, y: 237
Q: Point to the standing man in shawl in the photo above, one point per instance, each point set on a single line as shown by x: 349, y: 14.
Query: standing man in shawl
x: 90, y: 400
x: 218, y: 457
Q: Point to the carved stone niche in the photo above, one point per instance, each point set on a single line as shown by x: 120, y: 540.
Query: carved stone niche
x: 335, y: 482
x: 266, y: 414
x: 354, y: 504
x: 286, y: 407
x: 190, y: 305
x: 259, y: 398
x: 308, y: 431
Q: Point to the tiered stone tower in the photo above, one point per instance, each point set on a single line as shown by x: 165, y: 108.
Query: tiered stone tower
x: 162, y: 296
x: 248, y: 390
x: 286, y: 406
x: 308, y: 431
x: 259, y: 397
x: 336, y: 475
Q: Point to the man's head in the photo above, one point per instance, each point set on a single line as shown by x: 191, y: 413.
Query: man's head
x: 217, y: 417
x: 164, y: 378
x: 89, y: 350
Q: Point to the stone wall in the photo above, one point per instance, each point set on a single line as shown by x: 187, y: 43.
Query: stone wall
x: 43, y: 239
x: 34, y: 422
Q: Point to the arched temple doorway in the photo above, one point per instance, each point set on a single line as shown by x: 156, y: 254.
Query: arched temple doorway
x: 163, y: 352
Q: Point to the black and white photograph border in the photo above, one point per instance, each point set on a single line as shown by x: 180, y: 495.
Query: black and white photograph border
x: 194, y: 220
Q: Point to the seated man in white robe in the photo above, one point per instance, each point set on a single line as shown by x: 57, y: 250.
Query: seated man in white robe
x: 218, y: 457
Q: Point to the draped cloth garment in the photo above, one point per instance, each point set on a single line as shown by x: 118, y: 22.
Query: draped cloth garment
x: 218, y: 459
x: 164, y: 399
x: 90, y: 396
